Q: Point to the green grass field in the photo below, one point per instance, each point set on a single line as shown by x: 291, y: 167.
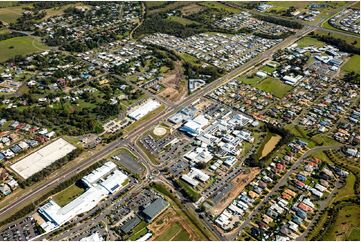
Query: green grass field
x: 284, y: 5
x: 347, y: 190
x: 139, y: 231
x: 353, y: 64
x: 308, y: 41
x: 181, y: 20
x: 346, y: 225
x: 356, y: 5
x: 24, y: 45
x: 324, y: 140
x: 67, y: 195
x: 162, y: 8
x: 149, y: 4
x: 268, y: 69
x: 11, y: 14
x: 274, y: 86
x: 250, y: 80
x: 4, y: 31
x: 220, y: 6
x: 188, y: 58
x: 175, y: 233
x: 4, y: 4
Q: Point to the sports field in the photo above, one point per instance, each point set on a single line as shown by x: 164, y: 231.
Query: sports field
x: 274, y: 86
x: 23, y: 45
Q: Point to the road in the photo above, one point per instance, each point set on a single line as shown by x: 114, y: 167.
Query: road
x: 280, y: 183
x: 52, y: 182
x: 129, y: 138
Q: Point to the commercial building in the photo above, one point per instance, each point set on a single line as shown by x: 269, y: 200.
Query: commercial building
x: 144, y: 109
x: 195, y: 84
x: 100, y: 183
x: 193, y: 175
x: 42, y: 158
x: 154, y: 209
x: 194, y: 127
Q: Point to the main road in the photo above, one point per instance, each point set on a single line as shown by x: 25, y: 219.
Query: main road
x: 52, y: 182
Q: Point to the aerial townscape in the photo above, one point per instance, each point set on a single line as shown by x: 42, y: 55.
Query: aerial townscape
x: 179, y: 120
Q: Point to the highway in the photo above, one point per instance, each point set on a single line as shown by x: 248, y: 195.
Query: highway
x: 129, y: 138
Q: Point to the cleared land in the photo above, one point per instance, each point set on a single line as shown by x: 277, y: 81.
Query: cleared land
x: 220, y: 6
x: 24, y: 45
x: 168, y: 7
x: 175, y: 85
x: 239, y: 183
x: 270, y: 145
x: 172, y: 227
x: 274, y: 86
x: 191, y: 9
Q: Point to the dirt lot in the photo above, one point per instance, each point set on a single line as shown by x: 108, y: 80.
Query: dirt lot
x: 239, y: 182
x: 163, y: 223
x: 175, y: 89
x: 270, y: 145
x: 191, y: 9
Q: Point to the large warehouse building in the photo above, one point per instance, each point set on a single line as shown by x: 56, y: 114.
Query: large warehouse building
x: 103, y: 181
x: 144, y: 109
x: 42, y: 158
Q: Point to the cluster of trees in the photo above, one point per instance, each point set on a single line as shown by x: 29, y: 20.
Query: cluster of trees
x: 27, y: 20
x: 209, y: 16
x: 50, y: 169
x: 91, y: 41
x: 194, y: 71
x: 280, y: 21
x: 332, y: 212
x: 158, y: 23
x: 352, y: 77
x: 64, y: 120
x: 187, y: 191
x: 10, y: 35
x: 254, y: 161
x: 339, y: 43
